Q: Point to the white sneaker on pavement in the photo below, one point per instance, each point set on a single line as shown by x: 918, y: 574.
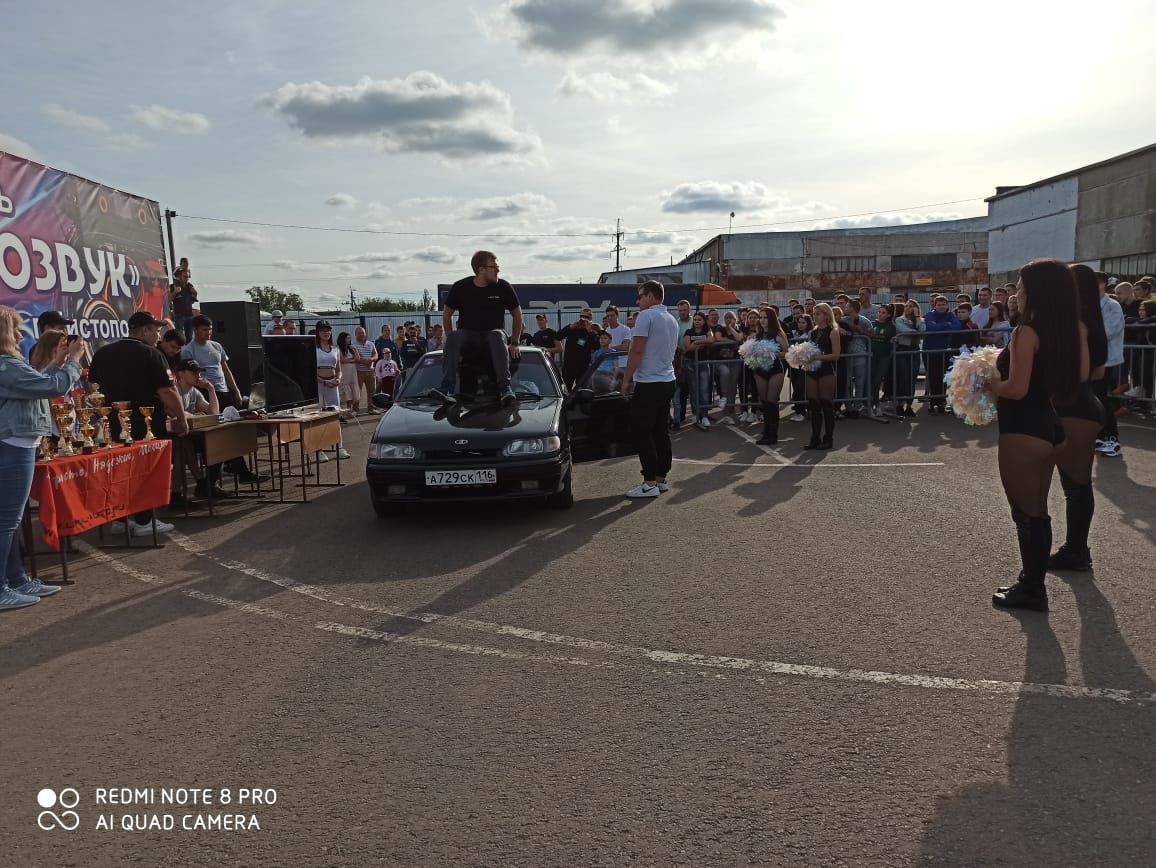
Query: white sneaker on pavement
x: 322, y: 457
x: 147, y: 529
x: 798, y: 417
x: 341, y: 453
x: 662, y: 486
x: 643, y: 490
x: 703, y: 423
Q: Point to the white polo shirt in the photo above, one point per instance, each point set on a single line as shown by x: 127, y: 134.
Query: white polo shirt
x: 661, y: 332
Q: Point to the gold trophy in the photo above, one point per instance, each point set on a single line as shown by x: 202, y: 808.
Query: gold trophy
x: 62, y: 414
x: 87, y: 429
x: 43, y: 450
x: 124, y: 414
x: 105, y: 431
x: 80, y: 420
x: 147, y: 412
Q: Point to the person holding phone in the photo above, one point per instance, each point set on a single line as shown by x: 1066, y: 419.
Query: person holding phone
x: 24, y: 419
x: 696, y: 345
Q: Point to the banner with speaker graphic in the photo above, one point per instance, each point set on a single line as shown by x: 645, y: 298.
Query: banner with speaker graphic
x: 73, y: 245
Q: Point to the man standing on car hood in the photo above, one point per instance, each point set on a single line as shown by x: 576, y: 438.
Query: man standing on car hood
x: 481, y: 303
x: 649, y: 384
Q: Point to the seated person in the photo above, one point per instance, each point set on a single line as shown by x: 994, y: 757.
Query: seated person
x: 608, y: 375
x: 192, y: 387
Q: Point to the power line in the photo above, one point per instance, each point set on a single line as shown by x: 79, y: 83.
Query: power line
x: 608, y: 232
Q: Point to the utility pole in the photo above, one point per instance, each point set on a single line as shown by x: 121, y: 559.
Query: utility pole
x: 618, y: 248
x: 169, y: 215
x: 352, y: 301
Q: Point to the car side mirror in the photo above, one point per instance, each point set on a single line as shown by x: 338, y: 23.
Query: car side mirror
x: 584, y: 396
x: 382, y: 400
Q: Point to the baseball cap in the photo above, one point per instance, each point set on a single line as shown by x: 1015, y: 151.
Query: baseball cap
x: 52, y: 318
x: 1112, y: 281
x: 143, y: 318
x: 189, y: 365
x: 323, y: 324
x: 276, y: 314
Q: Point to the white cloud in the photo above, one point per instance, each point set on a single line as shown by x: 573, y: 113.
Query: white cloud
x: 439, y: 255
x: 506, y: 238
x: 893, y: 219
x: 341, y: 200
x: 719, y: 197
x: 13, y: 145
x: 570, y: 28
x: 420, y: 114
x: 159, y: 117
x: 387, y: 256
x: 578, y: 253
x: 644, y: 237
x: 225, y: 238
x: 603, y: 86
x: 127, y: 142
x: 300, y: 267
x: 426, y: 202
x: 70, y: 118
x: 503, y: 207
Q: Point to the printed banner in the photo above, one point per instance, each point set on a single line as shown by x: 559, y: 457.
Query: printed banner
x: 78, y: 493
x: 70, y: 244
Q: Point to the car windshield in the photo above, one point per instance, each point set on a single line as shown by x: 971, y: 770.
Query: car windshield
x: 530, y: 378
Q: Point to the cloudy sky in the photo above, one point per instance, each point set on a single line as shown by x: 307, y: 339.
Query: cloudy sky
x: 530, y: 126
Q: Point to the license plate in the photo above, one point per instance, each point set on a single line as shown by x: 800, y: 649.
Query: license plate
x: 441, y: 478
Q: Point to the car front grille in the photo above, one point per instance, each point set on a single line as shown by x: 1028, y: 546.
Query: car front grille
x: 459, y: 454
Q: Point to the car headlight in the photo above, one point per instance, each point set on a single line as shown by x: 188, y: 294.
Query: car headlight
x: 533, y: 446
x: 392, y: 450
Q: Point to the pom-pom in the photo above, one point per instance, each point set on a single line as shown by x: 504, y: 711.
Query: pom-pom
x: 804, y: 356
x: 759, y: 355
x: 966, y: 381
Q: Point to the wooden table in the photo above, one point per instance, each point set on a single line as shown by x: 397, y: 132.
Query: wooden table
x: 313, y: 431
x: 223, y: 442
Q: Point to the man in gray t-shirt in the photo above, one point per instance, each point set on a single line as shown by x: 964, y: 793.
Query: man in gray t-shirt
x: 649, y: 384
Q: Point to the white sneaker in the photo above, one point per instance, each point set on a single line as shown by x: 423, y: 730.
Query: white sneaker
x: 721, y: 403
x: 341, y: 453
x: 798, y: 417
x: 1110, y: 449
x: 322, y: 457
x: 1135, y: 392
x: 703, y: 423
x: 1100, y: 441
x: 147, y: 529
x: 662, y: 486
x: 643, y: 490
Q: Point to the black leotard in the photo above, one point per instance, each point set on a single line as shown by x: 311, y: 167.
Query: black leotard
x: 1033, y: 414
x: 822, y: 339
x: 1085, y: 406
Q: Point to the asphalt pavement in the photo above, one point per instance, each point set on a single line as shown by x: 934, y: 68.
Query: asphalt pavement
x: 788, y: 659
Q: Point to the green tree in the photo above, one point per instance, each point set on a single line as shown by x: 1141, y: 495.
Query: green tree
x: 270, y: 298
x: 393, y: 305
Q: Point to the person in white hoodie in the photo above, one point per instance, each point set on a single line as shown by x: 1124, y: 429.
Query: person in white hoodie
x: 1109, y: 442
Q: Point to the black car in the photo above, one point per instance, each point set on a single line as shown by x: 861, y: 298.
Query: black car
x: 425, y: 451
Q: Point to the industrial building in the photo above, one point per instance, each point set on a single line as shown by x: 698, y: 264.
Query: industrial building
x: 1103, y: 215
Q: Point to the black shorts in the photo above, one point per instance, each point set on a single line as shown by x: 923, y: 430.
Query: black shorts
x: 1085, y: 406
x: 825, y: 369
x: 1033, y: 418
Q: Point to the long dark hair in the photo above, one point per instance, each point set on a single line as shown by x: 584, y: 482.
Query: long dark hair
x: 705, y: 324
x: 345, y: 345
x: 1050, y: 297
x: 1091, y: 314
x: 774, y: 326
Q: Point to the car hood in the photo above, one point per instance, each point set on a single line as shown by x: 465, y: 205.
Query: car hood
x: 439, y: 426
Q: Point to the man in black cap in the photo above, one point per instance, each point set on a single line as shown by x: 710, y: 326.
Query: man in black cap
x: 134, y: 370
x: 198, y: 398
x: 52, y: 321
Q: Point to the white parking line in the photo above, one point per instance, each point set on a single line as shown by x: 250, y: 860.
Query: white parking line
x: 816, y: 466
x: 670, y: 658
x: 774, y: 453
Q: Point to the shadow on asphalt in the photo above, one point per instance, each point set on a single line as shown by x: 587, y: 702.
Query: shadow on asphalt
x: 1076, y: 794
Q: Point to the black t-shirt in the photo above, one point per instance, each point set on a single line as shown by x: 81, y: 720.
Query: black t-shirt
x: 183, y: 301
x: 128, y: 370
x: 545, y: 338
x: 481, y: 308
x: 725, y: 346
x: 580, y: 345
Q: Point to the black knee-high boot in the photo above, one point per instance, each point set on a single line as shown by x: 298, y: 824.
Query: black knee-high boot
x: 816, y: 411
x: 829, y: 423
x: 1035, y: 542
x: 1074, y: 554
x: 770, y: 424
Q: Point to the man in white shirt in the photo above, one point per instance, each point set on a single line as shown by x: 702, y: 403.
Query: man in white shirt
x: 649, y: 384
x: 981, y: 313
x: 1108, y: 443
x: 619, y: 333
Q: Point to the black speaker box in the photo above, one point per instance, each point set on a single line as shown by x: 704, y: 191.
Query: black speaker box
x: 237, y: 328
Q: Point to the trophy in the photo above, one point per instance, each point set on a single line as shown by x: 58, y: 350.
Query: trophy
x: 62, y: 415
x: 124, y: 414
x: 147, y: 412
x: 87, y: 429
x: 43, y: 450
x: 80, y: 420
x: 105, y: 432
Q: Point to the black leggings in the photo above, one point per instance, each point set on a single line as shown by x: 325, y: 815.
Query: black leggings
x: 821, y: 401
x: 1101, y: 387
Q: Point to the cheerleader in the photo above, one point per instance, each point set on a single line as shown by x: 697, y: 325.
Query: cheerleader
x: 1082, y: 419
x: 1044, y: 364
x: 769, y: 381
x: 821, y: 381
